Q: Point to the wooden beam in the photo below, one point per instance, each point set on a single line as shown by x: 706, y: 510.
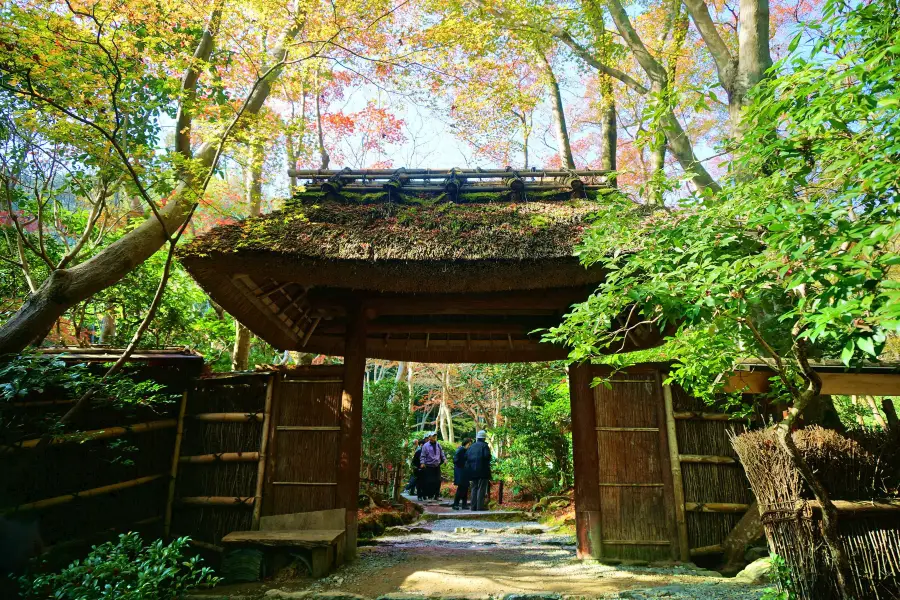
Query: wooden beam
x: 263, y: 449
x: 587, y: 463
x: 677, y: 479
x: 96, y: 434
x: 502, y: 328
x: 707, y: 550
x: 708, y: 416
x: 716, y: 507
x: 868, y: 384
x: 351, y: 423
x: 176, y: 459
x: 202, y: 459
x: 552, y: 300
x: 228, y: 417
x: 863, y: 507
x: 66, y: 498
x: 665, y: 463
x: 706, y: 459
x: 225, y: 501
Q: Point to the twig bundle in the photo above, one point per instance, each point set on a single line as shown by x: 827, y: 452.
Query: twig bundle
x: 863, y: 467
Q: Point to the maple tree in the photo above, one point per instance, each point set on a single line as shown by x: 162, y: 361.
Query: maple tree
x: 97, y: 79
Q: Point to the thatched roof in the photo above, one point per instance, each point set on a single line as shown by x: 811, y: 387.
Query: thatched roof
x: 477, y: 228
x: 454, y: 271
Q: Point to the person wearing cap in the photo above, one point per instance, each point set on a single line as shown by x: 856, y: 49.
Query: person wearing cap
x: 478, y: 465
x: 431, y: 460
x: 461, y: 476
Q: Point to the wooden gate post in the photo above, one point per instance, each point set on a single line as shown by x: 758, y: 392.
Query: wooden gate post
x: 351, y: 422
x: 587, y: 468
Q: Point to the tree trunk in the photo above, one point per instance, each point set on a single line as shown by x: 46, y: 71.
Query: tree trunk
x: 875, y: 413
x: 854, y: 401
x: 608, y: 129
x: 562, y: 133
x: 747, y: 530
x: 65, y: 287
x: 737, y: 75
x: 445, y: 418
x: 657, y: 171
x: 676, y: 138
x: 324, y: 159
x: 108, y: 328
x: 240, y: 355
x: 409, y: 388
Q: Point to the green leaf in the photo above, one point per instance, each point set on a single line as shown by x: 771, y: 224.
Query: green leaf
x: 866, y: 345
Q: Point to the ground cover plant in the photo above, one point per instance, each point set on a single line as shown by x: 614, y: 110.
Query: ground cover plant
x: 126, y: 569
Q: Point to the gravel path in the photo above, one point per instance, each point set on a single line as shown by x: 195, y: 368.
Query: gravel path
x: 471, y: 559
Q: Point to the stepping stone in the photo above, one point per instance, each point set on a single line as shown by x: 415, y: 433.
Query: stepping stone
x: 526, y: 530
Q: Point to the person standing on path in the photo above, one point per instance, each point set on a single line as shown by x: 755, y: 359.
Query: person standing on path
x: 478, y: 465
x: 411, y: 487
x: 432, y: 458
x: 461, y: 476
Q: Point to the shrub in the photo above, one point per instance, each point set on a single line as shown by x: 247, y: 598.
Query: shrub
x: 124, y: 570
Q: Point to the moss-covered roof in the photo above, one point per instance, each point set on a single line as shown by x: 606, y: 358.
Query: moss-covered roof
x: 475, y: 227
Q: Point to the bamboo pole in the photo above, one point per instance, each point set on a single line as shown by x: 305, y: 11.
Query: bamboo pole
x: 228, y: 417
x: 707, y: 550
x: 709, y: 416
x: 716, y: 507
x: 861, y: 507
x: 66, y: 498
x: 207, y: 546
x: 201, y: 459
x: 99, y: 534
x: 677, y: 479
x: 263, y: 448
x: 43, y: 403
x: 706, y: 459
x: 216, y: 501
x: 96, y: 434
x: 176, y: 456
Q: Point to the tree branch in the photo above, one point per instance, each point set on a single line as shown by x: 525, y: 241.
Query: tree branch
x: 189, y: 83
x: 725, y: 63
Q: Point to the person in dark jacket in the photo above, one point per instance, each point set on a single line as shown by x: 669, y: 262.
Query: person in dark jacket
x: 478, y: 466
x: 461, y: 476
x: 414, y: 467
x: 419, y: 484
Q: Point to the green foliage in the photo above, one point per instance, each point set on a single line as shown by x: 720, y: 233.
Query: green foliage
x: 449, y: 450
x: 124, y: 570
x: 33, y: 375
x: 538, y: 458
x: 796, y: 257
x: 780, y: 575
x: 385, y: 423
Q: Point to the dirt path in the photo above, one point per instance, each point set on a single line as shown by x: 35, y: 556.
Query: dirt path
x: 473, y: 558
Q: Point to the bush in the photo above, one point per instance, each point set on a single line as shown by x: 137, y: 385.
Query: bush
x: 447, y: 467
x: 124, y: 570
x: 385, y: 423
x: 538, y: 460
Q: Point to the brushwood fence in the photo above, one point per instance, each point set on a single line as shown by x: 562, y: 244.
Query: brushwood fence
x: 112, y: 474
x: 861, y: 473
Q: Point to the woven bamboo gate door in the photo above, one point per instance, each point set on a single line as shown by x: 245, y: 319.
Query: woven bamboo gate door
x: 304, y: 442
x: 636, y: 494
x: 714, y: 491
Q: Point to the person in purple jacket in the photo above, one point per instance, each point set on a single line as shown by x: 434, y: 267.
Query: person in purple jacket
x: 432, y: 458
